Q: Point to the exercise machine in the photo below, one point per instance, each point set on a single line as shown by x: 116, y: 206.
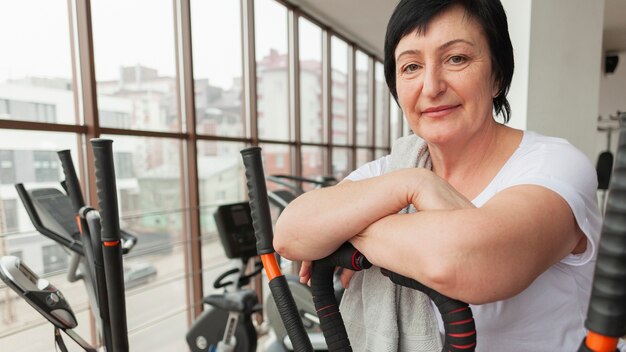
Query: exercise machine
x: 227, y: 324
x: 460, y: 334
x: 606, y: 315
x: 94, y: 243
x: 44, y: 298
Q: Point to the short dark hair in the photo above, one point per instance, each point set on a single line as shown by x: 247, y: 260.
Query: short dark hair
x: 412, y: 15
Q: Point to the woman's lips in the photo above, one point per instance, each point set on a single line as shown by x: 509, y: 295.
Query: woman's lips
x: 439, y: 111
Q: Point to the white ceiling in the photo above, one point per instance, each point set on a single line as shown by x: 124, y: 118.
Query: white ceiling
x: 365, y: 21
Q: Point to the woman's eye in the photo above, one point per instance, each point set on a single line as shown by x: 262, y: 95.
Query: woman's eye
x: 456, y: 60
x: 411, y: 68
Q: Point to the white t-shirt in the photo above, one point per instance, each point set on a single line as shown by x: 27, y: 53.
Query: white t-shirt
x: 548, y: 315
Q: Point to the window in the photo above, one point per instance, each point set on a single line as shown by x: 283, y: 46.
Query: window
x: 10, y: 215
x: 46, y: 164
x: 136, y: 70
x: 36, y: 76
x: 339, y: 91
x: 342, y: 162
x: 28, y: 111
x: 137, y: 47
x: 313, y: 163
x: 218, y: 77
x: 272, y: 70
x: 381, y: 116
x: 54, y: 258
x: 312, y: 126
x: 123, y: 165
x: 7, y: 167
x: 396, y: 119
x: 363, y: 130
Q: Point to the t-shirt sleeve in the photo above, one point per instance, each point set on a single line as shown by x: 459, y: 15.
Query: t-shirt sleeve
x: 568, y: 172
x: 371, y: 169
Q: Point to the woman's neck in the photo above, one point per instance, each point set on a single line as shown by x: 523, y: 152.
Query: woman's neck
x: 469, y: 165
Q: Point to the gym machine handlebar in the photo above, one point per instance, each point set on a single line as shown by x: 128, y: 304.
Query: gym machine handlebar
x: 457, y: 316
x: 261, y: 220
x: 111, y: 240
x: 606, y: 315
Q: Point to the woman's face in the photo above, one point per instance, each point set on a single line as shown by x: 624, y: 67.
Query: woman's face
x: 444, y: 79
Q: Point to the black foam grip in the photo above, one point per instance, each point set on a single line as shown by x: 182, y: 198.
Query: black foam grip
x: 259, y: 204
x: 106, y: 188
x: 347, y: 257
x: 458, y: 321
x: 289, y: 314
x: 71, y: 180
x: 607, y: 307
x: 114, y: 274
x: 327, y: 307
x: 324, y: 298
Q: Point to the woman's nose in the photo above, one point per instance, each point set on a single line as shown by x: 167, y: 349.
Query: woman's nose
x: 434, y: 83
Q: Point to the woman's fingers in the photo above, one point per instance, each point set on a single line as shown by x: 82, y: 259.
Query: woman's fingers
x: 305, y: 272
x: 345, y: 277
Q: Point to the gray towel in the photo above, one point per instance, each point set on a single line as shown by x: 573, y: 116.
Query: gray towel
x: 379, y: 315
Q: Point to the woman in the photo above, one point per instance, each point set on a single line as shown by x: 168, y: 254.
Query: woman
x: 505, y: 220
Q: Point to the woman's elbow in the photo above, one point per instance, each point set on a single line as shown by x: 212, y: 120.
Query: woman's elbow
x: 468, y: 287
x: 281, y: 241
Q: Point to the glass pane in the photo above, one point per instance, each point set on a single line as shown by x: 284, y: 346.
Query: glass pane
x: 312, y: 126
x: 272, y: 70
x: 150, y: 202
x: 221, y: 180
x: 363, y: 156
x: 342, y: 163
x: 135, y: 64
x: 36, y: 75
x: 396, y: 119
x: 406, y: 129
x: 313, y: 164
x: 165, y: 334
x: 363, y: 129
x: 277, y: 159
x: 216, y: 29
x: 37, y: 336
x: 381, y: 116
x: 339, y: 91
x: 380, y: 153
x: 31, y: 158
x: 149, y: 183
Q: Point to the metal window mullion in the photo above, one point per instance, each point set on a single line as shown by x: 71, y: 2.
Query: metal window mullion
x: 88, y: 83
x: 249, y: 69
x: 189, y: 161
x: 371, y: 105
x: 294, y: 89
x: 387, y: 116
x: 327, y: 116
x: 352, y: 104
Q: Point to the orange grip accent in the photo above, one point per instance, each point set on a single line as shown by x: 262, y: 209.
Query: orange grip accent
x: 271, y: 266
x: 79, y: 224
x: 601, y: 343
x: 111, y: 243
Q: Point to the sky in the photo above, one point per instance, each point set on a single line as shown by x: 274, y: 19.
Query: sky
x: 34, y: 35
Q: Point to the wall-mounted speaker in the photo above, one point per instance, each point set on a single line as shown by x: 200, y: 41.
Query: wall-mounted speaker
x: 610, y: 63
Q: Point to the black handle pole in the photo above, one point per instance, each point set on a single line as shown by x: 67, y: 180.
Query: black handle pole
x: 111, y: 240
x: 322, y: 288
x: 606, y: 316
x: 71, y: 180
x: 262, y: 223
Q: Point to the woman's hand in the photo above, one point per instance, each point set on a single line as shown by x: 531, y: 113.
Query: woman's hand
x: 427, y: 191
x: 305, y: 274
